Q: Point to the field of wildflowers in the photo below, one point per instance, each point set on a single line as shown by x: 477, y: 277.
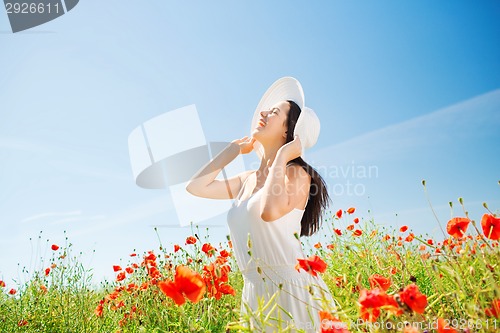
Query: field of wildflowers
x: 383, y: 280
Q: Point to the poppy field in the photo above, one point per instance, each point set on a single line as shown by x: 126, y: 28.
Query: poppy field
x: 383, y: 280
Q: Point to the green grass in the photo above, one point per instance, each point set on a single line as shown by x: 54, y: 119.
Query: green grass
x: 459, y: 278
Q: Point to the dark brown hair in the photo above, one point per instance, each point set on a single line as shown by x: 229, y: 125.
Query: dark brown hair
x: 318, y: 193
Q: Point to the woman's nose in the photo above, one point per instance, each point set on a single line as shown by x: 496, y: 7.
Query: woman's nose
x: 263, y: 113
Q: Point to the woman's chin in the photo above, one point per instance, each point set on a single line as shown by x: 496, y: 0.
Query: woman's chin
x: 256, y: 133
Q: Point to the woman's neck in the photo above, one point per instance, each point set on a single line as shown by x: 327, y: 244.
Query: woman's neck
x: 266, y: 162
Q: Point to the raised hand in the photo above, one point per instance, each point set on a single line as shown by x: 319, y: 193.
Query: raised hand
x: 292, y: 149
x: 245, y: 144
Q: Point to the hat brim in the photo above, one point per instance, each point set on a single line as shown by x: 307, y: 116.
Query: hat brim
x: 286, y: 88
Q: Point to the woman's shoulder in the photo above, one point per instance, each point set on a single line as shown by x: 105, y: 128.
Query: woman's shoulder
x: 295, y: 171
x: 245, y: 174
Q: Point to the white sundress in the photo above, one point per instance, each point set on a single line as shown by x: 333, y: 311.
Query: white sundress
x: 272, y: 285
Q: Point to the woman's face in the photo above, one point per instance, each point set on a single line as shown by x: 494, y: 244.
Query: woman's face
x: 272, y: 122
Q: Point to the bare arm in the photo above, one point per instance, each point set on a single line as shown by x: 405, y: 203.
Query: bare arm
x: 203, y: 183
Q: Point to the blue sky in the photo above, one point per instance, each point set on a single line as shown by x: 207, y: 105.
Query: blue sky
x: 410, y: 88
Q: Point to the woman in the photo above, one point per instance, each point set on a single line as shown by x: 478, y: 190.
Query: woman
x: 275, y: 204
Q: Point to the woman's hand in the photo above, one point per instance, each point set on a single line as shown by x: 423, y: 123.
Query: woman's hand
x: 245, y: 144
x: 292, y: 149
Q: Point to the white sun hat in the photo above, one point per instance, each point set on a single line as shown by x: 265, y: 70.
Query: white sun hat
x: 308, y: 125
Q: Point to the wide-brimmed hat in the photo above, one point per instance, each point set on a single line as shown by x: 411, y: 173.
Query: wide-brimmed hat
x: 308, y: 125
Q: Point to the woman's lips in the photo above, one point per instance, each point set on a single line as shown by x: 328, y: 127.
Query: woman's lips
x: 262, y: 123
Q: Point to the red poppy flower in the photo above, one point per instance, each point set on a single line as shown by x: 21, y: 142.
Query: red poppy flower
x: 120, y: 276
x: 457, y: 226
x: 369, y: 314
x: 339, y: 213
x: 412, y: 297
x: 154, y: 273
x: 2, y: 284
x: 350, y: 227
x: 330, y: 246
x: 379, y: 281
x: 338, y: 232
x: 494, y: 311
x: 491, y: 226
x: 47, y: 271
x: 430, y: 242
x: 129, y: 270
x: 176, y: 248
x: 98, y: 310
x: 351, y: 210
x: 22, y: 322
x: 112, y: 296
x: 226, y: 290
x: 371, y: 301
x: 116, y: 268
x: 357, y: 233
x: 317, y: 245
x: 356, y: 220
x: 403, y: 228
x: 187, y: 284
x: 312, y: 265
x: 410, y: 237
x: 133, y: 254
x: 215, y: 276
x: 191, y: 240
x: 150, y: 257
x: 208, y: 249
x: 444, y: 327
x: 54, y: 247
x: 331, y: 324
x: 386, y: 237
x: 224, y: 253
x: 12, y: 291
x: 372, y: 298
